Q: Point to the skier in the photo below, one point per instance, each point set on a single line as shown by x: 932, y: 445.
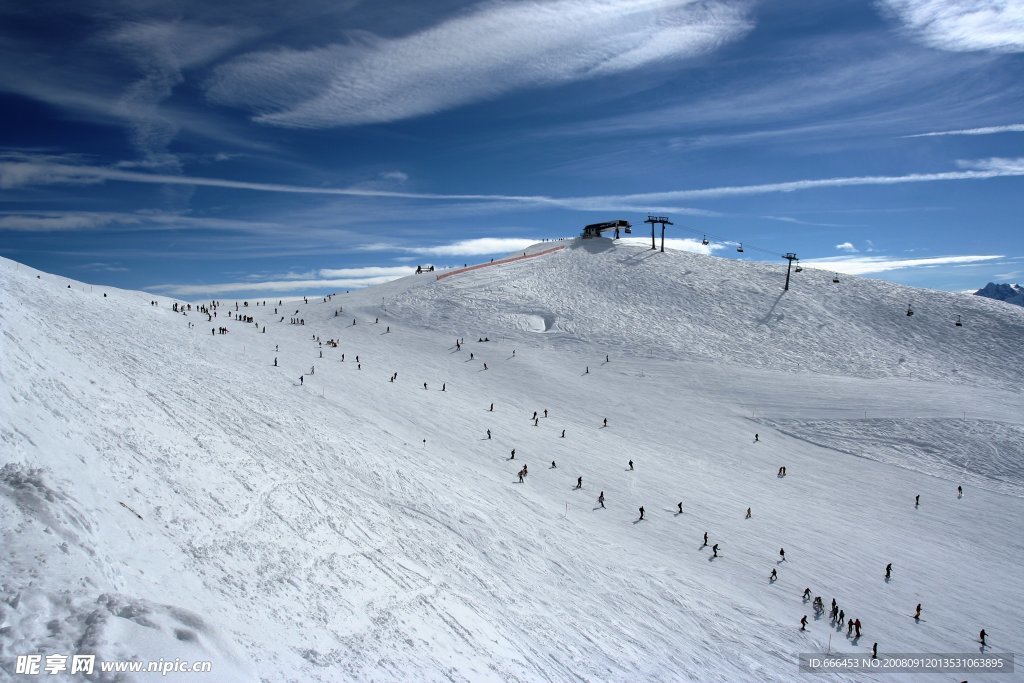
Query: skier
x: 756, y: 438
x: 705, y: 540
x: 917, y: 500
x: 917, y: 612
x: 425, y: 388
x: 492, y: 408
x: 536, y: 422
x: 856, y: 626
x: 842, y: 618
x: 748, y: 513
x: 552, y: 464
x: 849, y: 629
x: 563, y: 434
x: 982, y: 635
x: 600, y: 498
x: 301, y: 378
x: 275, y: 362
x: 488, y: 431
x: 520, y: 476
x: 782, y: 471
x: 513, y: 450
x: 606, y: 359
x: 774, y: 576
x: 443, y: 385
x: 874, y: 651
x: 888, y: 570
x: 485, y: 366
x: 782, y: 554
x: 807, y: 593
x: 534, y: 415
x: 631, y: 465
x: 959, y: 491
x: 641, y: 512
x: 587, y: 371
x: 471, y: 355
x: 606, y: 422
x: 545, y: 412
x: 579, y: 482
x: 714, y: 549
x: 803, y: 623
x: 680, y: 508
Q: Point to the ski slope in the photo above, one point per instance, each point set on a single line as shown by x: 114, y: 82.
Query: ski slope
x: 167, y: 492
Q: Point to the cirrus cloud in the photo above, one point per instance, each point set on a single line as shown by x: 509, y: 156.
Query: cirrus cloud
x: 475, y: 56
x: 963, y: 25
x: 866, y: 265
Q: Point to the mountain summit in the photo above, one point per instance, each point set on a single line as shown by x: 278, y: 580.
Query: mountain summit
x: 1011, y: 294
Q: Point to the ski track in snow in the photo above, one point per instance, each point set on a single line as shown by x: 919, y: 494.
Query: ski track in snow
x: 307, y: 533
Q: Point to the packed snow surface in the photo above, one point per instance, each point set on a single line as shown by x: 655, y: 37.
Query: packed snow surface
x: 166, y: 492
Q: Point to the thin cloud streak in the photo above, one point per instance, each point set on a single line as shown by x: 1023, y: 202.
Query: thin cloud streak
x: 21, y: 173
x: 865, y: 265
x: 988, y: 130
x: 69, y: 221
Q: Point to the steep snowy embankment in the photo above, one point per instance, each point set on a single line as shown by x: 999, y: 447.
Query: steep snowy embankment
x: 167, y: 492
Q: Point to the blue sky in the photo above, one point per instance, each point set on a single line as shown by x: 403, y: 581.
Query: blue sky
x: 232, y: 149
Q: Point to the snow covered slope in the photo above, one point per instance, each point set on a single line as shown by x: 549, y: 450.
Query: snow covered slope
x: 167, y: 492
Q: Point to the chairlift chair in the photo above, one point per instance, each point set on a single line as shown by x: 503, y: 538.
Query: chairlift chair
x: 740, y: 248
x: 910, y: 311
x: 958, y: 323
x: 799, y: 268
x: 705, y: 241
x: 835, y: 278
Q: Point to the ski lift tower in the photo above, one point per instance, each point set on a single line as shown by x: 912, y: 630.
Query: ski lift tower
x: 789, y: 256
x: 663, y: 221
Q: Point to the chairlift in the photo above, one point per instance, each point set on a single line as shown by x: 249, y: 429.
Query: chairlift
x: 835, y: 278
x: 740, y: 248
x: 705, y: 241
x: 910, y: 311
x: 958, y: 323
x: 799, y: 268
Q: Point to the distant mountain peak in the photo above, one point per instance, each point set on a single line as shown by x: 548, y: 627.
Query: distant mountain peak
x: 1011, y: 294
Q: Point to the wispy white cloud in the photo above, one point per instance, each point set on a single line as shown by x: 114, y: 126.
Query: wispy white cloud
x: 797, y: 221
x: 865, y: 265
x: 846, y: 246
x: 476, y: 55
x: 105, y: 267
x: 66, y: 221
x: 988, y: 130
x: 356, y: 278
x: 22, y: 173
x: 365, y: 271
x: 479, y: 246
x: 962, y: 25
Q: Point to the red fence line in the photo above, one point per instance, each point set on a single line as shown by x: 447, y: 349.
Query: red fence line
x: 495, y: 263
